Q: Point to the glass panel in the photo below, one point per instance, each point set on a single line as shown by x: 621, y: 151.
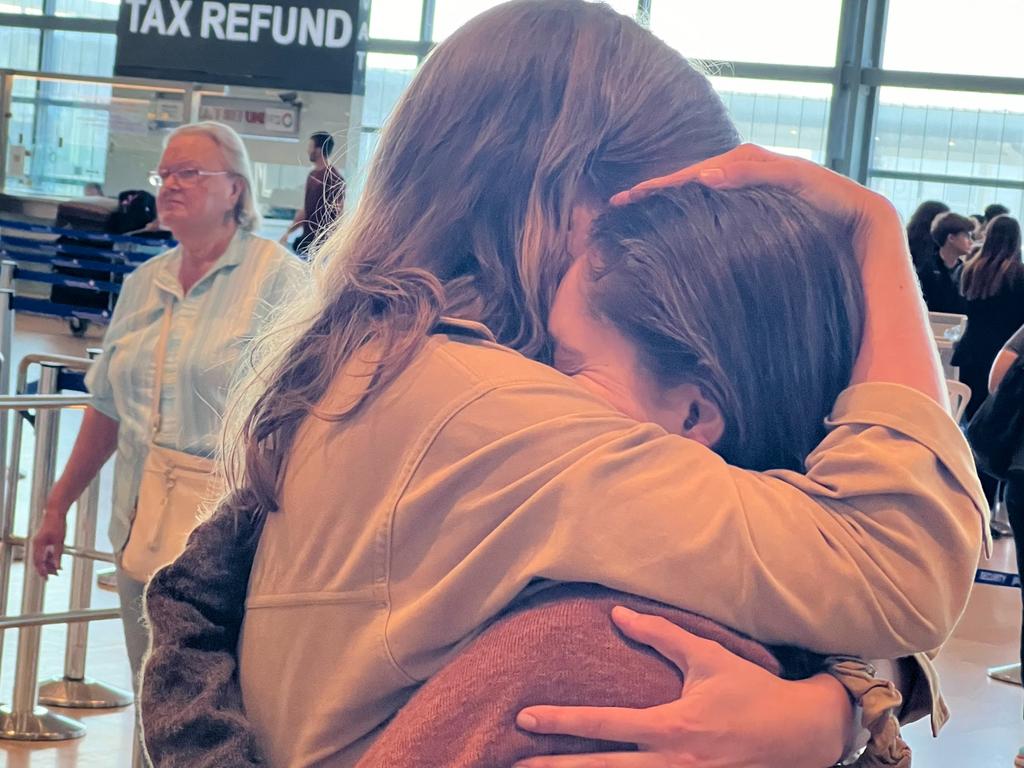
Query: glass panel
x: 396, y: 19
x: 93, y: 9
x: 387, y: 75
x: 801, y: 31
x: 19, y: 48
x: 83, y: 132
x: 943, y: 36
x: 967, y: 199
x: 950, y: 133
x: 784, y: 116
x: 79, y: 53
x: 449, y: 15
x: 32, y: 7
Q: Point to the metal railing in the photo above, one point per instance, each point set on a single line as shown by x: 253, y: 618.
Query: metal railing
x: 23, y: 719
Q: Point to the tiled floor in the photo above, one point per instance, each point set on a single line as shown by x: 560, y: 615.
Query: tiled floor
x: 985, y: 732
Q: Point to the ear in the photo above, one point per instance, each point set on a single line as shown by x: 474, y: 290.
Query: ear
x: 702, y: 419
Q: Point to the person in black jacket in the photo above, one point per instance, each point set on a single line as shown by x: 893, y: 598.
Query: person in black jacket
x: 1008, y: 355
x: 993, y: 287
x: 952, y: 235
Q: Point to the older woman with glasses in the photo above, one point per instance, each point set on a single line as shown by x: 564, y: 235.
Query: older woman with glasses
x: 174, y: 345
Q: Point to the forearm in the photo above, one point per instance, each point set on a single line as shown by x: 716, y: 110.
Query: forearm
x: 95, y: 444
x: 897, y: 345
x: 194, y: 608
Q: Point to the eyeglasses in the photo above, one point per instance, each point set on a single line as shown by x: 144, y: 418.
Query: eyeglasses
x: 186, y: 177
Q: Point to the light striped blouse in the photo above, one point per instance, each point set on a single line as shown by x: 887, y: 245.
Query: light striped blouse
x: 210, y: 329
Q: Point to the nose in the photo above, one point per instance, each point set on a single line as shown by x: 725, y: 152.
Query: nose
x: 171, y: 181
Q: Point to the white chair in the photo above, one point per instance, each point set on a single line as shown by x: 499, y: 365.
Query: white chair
x: 959, y: 397
x: 947, y: 325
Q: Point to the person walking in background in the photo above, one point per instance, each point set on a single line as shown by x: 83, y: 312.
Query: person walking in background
x: 324, y: 198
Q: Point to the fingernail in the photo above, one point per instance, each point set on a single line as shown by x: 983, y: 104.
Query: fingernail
x: 526, y: 721
x: 711, y: 175
x: 619, y: 198
x: 624, y: 612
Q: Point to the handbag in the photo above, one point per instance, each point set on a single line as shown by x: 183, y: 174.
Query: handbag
x: 996, y: 431
x: 173, y: 493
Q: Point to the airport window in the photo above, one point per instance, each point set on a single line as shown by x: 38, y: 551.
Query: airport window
x: 396, y: 19
x: 953, y: 37
x: 712, y: 32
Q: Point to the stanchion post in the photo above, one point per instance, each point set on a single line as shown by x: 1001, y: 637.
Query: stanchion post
x: 74, y: 689
x: 6, y: 480
x: 23, y: 720
x: 107, y: 578
x: 6, y: 363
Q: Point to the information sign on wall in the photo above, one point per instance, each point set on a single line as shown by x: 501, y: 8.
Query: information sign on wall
x: 310, y: 45
x: 252, y: 117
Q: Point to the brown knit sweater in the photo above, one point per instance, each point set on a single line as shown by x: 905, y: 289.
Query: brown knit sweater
x: 557, y: 647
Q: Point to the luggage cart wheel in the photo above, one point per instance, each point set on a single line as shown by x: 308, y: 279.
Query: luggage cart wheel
x: 78, y: 326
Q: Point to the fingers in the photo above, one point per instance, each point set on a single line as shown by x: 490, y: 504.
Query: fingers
x: 45, y: 557
x: 710, y: 172
x: 598, y: 760
x: 684, y: 649
x: 631, y: 726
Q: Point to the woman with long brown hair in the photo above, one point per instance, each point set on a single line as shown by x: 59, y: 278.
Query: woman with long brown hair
x: 993, y: 286
x: 410, y: 466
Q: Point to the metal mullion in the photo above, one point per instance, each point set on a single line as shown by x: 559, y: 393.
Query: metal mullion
x: 937, y: 81
x: 63, y: 23
x: 427, y: 21
x: 854, y: 100
x: 944, y: 178
x: 791, y: 72
x: 406, y: 47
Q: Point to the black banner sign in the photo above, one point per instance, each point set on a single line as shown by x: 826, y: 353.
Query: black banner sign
x: 310, y: 45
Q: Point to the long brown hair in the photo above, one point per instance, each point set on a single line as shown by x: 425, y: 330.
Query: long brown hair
x: 998, y: 267
x: 522, y: 112
x: 750, y: 294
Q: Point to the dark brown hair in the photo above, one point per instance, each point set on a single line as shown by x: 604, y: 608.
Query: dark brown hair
x: 949, y: 223
x: 998, y: 266
x: 919, y: 232
x: 750, y: 294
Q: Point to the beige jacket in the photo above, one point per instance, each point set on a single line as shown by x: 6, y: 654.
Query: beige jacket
x: 478, y: 474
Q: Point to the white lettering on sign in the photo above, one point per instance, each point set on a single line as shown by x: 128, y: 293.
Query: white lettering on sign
x: 133, y: 20
x: 247, y: 22
x: 179, y: 24
x: 259, y: 22
x: 213, y: 21
x: 154, y: 18
x: 311, y: 27
x: 285, y: 38
x: 237, y: 18
x: 333, y: 39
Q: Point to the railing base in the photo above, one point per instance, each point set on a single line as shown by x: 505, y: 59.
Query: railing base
x: 1009, y: 673
x: 82, y: 694
x: 38, y: 725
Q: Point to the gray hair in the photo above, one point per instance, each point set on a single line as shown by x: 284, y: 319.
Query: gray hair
x: 236, y: 160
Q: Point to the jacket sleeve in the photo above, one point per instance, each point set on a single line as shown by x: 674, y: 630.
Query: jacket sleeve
x: 190, y: 696
x: 871, y: 552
